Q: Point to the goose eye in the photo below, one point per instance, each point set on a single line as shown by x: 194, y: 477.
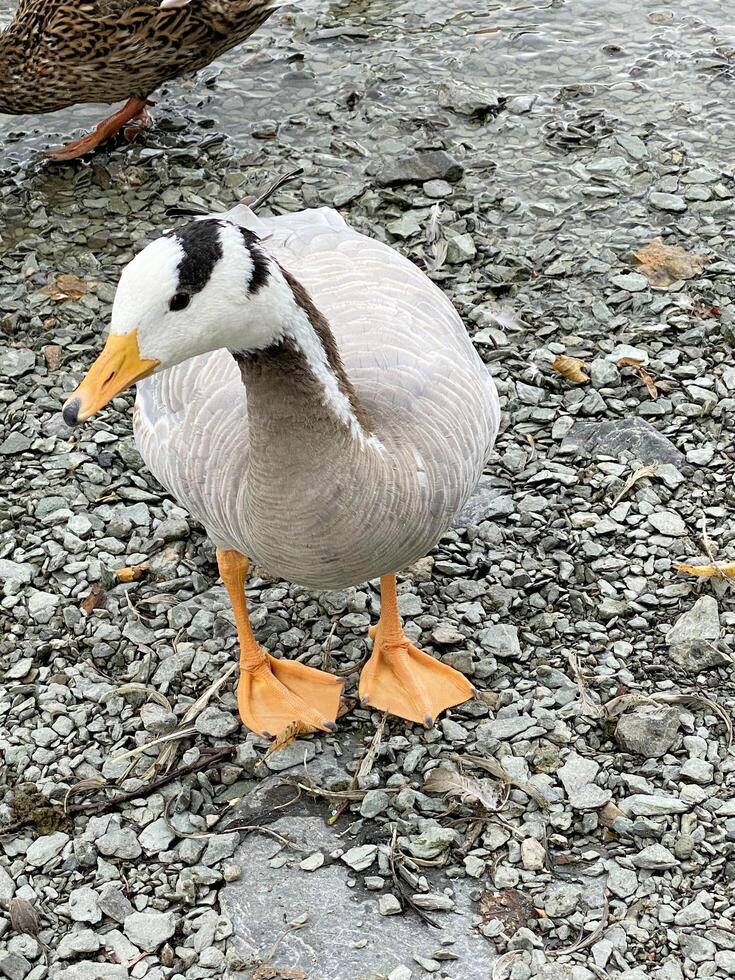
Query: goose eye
x: 179, y: 301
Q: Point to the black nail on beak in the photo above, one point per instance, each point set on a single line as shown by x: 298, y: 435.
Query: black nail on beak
x: 70, y: 413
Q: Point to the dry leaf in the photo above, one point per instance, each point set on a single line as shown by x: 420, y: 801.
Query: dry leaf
x: 97, y: 599
x: 67, y: 287
x: 663, y: 264
x: 570, y: 368
x: 470, y: 790
x: 645, y: 377
x: 639, y: 474
x: 265, y: 972
x: 725, y: 570
x: 131, y: 573
x: 289, y: 734
x: 23, y: 916
x: 510, y: 906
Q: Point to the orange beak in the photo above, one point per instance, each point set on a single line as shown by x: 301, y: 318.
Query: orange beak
x: 118, y: 367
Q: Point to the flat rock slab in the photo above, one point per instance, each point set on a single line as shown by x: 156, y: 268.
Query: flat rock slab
x: 343, y: 936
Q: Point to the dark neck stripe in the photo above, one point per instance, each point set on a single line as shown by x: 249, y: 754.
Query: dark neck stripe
x: 202, y: 251
x: 261, y: 272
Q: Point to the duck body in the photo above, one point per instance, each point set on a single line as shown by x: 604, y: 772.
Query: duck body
x: 246, y: 452
x: 57, y: 53
x: 314, y: 400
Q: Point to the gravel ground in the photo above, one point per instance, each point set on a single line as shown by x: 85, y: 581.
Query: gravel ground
x: 594, y: 837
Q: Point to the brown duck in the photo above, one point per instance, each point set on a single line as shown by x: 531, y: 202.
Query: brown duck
x: 57, y: 53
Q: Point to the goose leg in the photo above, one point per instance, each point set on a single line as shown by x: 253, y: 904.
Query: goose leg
x: 272, y: 693
x: 400, y: 678
x: 103, y: 131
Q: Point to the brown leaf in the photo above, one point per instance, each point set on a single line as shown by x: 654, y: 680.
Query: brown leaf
x: 645, y: 377
x: 265, y: 972
x: 510, y: 906
x: 570, y: 368
x: 289, y: 735
x: 23, y: 916
x: 725, y: 570
x: 52, y: 353
x: 67, y: 287
x: 97, y: 599
x: 663, y: 264
x: 131, y: 573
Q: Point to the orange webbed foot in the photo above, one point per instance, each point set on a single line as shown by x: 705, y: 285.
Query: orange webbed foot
x: 277, y: 693
x: 403, y: 680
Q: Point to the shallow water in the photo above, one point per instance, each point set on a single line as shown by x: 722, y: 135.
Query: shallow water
x: 669, y: 69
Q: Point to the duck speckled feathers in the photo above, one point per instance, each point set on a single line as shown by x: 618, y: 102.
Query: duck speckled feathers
x: 57, y: 53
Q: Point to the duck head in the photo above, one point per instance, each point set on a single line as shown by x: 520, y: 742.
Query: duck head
x: 205, y: 286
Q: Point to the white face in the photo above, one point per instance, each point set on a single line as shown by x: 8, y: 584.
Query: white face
x: 203, y: 287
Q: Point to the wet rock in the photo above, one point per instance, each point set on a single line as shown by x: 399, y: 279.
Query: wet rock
x: 416, y: 168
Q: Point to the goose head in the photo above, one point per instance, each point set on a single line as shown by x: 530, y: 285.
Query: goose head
x: 199, y: 288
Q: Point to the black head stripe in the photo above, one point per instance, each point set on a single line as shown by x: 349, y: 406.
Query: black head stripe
x: 202, y: 251
x: 260, y: 262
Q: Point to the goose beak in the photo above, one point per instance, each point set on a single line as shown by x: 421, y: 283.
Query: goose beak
x: 118, y: 367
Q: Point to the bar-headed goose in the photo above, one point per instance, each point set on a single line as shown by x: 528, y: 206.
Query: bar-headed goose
x: 314, y: 400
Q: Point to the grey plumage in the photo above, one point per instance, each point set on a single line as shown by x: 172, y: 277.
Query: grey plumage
x: 272, y: 474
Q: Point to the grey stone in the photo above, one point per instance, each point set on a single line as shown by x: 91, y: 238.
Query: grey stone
x: 698, y: 771
x: 217, y: 723
x: 76, y: 942
x: 149, y: 930
x: 648, y: 730
x: 374, y: 802
x: 120, y: 843
x: 84, y: 906
x: 611, y: 438
x: 389, y: 905
x: 561, y: 900
x: 621, y: 881
x: 501, y: 640
x: 432, y: 842
x: 14, y: 571
x: 417, y: 168
x: 295, y: 754
x: 643, y: 805
x: 701, y: 622
x: 692, y: 637
x: 633, y: 282
x: 313, y: 862
x: 360, y: 858
x: 42, y: 605
x: 667, y: 202
x: 693, y: 914
x: 16, y: 361
x: 14, y: 966
x: 655, y: 857
x: 156, y: 836
x: 669, y: 523
x: 46, y: 848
